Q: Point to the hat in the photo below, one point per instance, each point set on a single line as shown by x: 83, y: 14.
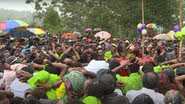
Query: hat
x: 76, y: 80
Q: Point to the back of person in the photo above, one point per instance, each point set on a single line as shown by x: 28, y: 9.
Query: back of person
x: 114, y: 99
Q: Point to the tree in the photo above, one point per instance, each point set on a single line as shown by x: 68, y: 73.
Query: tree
x: 52, y: 21
x: 116, y: 16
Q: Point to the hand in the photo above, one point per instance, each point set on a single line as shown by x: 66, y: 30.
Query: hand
x: 45, y: 87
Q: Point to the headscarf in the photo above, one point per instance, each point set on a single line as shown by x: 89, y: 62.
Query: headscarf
x: 76, y: 80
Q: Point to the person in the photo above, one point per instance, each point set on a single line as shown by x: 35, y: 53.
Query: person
x: 74, y: 82
x: 20, y: 85
x: 150, y: 81
x: 134, y: 77
x: 109, y: 82
x: 10, y: 74
x: 4, y: 99
x: 41, y: 80
x: 94, y: 93
x: 173, y: 97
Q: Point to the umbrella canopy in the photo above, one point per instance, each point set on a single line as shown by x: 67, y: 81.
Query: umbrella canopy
x: 151, y: 25
x: 20, y: 33
x: 77, y: 34
x: 103, y: 35
x: 11, y: 24
x: 68, y: 35
x: 163, y: 37
x: 36, y: 31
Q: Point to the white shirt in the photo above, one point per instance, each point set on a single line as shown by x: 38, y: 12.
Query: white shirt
x: 157, y: 97
x: 19, y: 88
x: 96, y: 65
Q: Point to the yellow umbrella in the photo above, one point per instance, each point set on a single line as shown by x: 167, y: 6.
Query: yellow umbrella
x: 36, y: 31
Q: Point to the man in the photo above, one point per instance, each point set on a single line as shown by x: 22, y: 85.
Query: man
x: 150, y: 81
x: 133, y: 81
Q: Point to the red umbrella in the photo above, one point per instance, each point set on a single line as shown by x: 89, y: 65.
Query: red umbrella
x: 69, y: 35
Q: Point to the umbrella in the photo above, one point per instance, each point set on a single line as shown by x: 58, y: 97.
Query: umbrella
x: 103, y: 35
x: 69, y: 35
x: 151, y: 25
x: 20, y: 33
x: 37, y: 31
x: 11, y: 24
x: 77, y: 34
x: 163, y: 37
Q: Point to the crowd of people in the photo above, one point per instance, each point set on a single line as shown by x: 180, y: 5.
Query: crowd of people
x: 87, y: 70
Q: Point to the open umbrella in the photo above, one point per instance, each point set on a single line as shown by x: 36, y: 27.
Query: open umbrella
x: 68, y: 35
x: 11, y: 24
x: 20, y: 33
x: 163, y: 37
x: 77, y: 34
x: 103, y: 35
x: 37, y: 31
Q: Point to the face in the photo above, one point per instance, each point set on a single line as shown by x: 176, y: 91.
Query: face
x: 100, y: 52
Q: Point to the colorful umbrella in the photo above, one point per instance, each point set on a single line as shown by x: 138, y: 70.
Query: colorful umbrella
x: 37, y: 31
x: 69, y: 35
x: 168, y: 36
x: 103, y: 35
x: 11, y: 24
x: 20, y: 33
x: 151, y: 25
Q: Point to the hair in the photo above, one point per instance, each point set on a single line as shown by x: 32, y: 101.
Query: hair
x: 150, y: 80
x: 17, y: 100
x: 143, y: 99
x: 133, y: 68
x: 28, y: 69
x: 38, y: 61
x: 147, y: 67
x: 95, y: 89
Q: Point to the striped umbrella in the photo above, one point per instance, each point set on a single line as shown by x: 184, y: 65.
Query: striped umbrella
x: 11, y: 24
x: 36, y: 31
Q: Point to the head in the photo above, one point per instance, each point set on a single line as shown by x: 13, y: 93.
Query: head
x: 164, y: 83
x: 143, y: 99
x: 150, y: 80
x: 134, y: 68
x: 109, y: 83
x: 173, y: 97
x: 100, y: 52
x: 147, y: 67
x: 95, y: 89
x: 74, y: 82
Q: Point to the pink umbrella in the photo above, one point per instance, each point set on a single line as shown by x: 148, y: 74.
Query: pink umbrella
x: 103, y: 35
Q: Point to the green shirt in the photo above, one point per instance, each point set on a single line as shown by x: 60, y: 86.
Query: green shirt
x: 108, y: 55
x: 158, y: 69
x: 133, y: 82
x: 44, y: 77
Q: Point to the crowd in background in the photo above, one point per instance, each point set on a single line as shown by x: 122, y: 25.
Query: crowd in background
x: 87, y: 70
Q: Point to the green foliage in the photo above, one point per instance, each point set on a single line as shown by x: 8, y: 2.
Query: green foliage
x: 52, y: 21
x: 119, y: 17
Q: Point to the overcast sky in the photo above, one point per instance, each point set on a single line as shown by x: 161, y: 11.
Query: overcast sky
x: 18, y: 5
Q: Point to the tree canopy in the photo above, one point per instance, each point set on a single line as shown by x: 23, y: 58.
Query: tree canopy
x: 120, y: 17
